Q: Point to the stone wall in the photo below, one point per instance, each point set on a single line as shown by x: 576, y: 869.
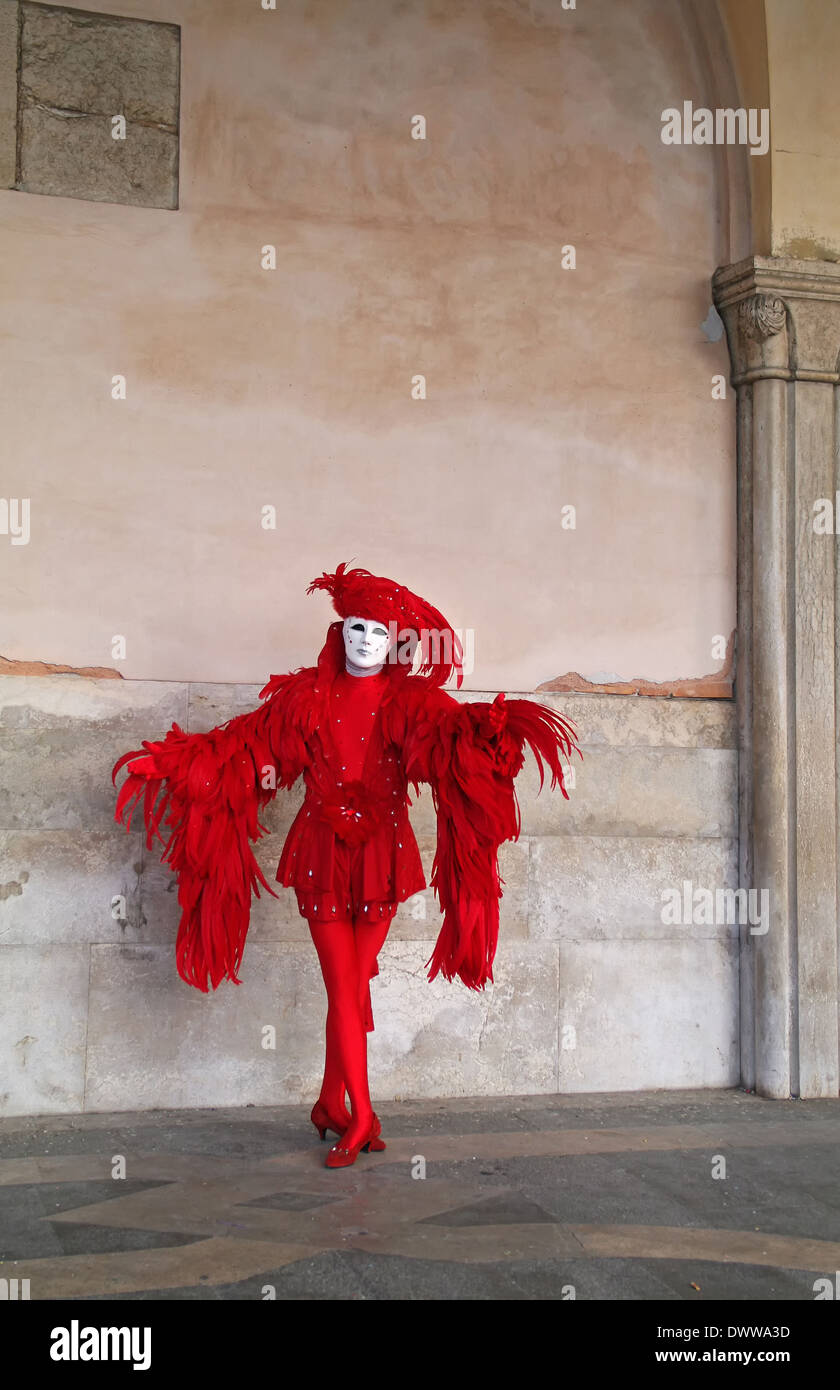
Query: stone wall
x: 593, y: 992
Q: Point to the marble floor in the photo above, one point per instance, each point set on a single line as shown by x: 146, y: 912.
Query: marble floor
x: 691, y: 1196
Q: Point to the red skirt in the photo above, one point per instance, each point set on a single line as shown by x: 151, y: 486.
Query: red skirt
x: 334, y: 878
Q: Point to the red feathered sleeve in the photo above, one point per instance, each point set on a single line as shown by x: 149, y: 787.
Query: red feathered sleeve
x: 207, y: 790
x: 470, y: 753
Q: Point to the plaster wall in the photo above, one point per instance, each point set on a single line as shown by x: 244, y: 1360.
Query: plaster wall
x: 546, y: 387
x: 785, y: 54
x: 803, y: 45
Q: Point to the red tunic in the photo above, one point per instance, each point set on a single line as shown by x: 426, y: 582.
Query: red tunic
x: 351, y: 850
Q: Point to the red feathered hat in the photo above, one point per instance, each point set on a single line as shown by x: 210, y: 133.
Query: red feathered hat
x: 356, y: 593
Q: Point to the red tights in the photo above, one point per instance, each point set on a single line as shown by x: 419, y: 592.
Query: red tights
x: 347, y: 951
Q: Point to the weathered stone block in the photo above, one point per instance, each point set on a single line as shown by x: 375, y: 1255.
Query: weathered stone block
x: 597, y: 887
x: 101, y: 63
x: 59, y: 886
x: 155, y: 1041
x: 638, y: 791
x: 60, y: 741
x: 637, y: 1015
x: 79, y: 70
x: 442, y: 1039
x: 630, y: 721
x: 143, y: 709
x: 75, y: 157
x: 212, y: 704
x: 42, y: 1028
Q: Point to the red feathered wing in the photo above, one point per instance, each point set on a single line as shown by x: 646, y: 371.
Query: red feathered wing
x: 207, y: 790
x: 470, y: 754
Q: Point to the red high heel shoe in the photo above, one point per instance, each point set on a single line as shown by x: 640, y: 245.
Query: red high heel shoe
x: 323, y: 1120
x: 340, y: 1157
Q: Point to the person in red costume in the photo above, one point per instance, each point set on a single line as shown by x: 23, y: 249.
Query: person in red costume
x: 361, y: 727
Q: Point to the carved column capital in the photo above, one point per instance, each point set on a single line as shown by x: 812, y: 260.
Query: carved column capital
x: 782, y: 318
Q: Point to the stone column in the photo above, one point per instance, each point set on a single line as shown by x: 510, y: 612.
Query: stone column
x: 782, y: 321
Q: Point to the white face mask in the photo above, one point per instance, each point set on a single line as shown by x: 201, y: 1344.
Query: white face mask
x: 366, y: 643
